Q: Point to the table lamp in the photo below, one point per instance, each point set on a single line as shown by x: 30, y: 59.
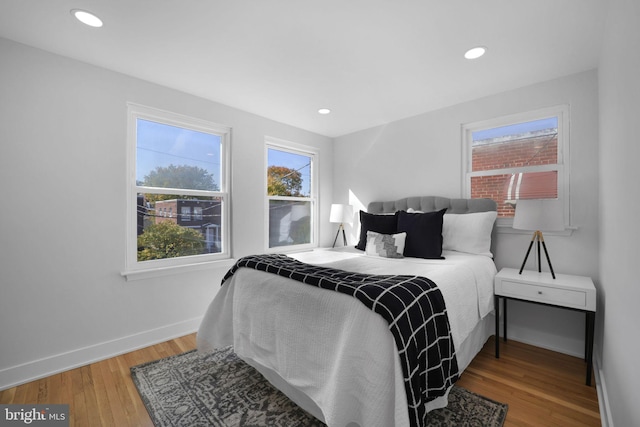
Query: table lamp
x: 341, y: 214
x: 538, y: 215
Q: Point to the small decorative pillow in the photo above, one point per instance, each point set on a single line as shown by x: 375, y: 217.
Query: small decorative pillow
x: 385, y: 245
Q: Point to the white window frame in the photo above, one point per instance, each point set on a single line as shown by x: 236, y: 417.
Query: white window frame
x: 313, y: 153
x: 152, y: 268
x: 562, y: 167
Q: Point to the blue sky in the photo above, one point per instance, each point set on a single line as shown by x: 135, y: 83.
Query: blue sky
x: 163, y: 145
x: 516, y: 129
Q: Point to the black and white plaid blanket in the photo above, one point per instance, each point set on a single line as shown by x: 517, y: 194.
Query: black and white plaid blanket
x: 414, y: 308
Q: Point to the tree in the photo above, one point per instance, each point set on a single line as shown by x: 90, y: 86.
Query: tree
x: 283, y: 181
x: 169, y: 240
x: 184, y: 177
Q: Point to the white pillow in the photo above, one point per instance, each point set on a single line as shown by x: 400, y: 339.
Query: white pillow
x: 469, y: 233
x: 385, y: 245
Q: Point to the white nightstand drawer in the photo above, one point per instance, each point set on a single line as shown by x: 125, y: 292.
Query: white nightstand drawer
x: 566, y: 290
x: 564, y: 297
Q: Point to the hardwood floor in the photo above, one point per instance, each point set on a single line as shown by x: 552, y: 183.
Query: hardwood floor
x: 100, y: 394
x: 541, y: 387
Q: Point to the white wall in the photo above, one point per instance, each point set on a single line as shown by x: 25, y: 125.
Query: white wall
x: 619, y: 205
x: 63, y: 301
x: 422, y: 156
x: 62, y: 148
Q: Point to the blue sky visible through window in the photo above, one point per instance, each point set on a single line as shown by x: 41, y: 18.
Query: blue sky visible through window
x: 163, y: 145
x: 516, y: 129
x: 298, y: 162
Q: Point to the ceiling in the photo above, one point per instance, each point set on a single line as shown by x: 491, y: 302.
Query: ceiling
x: 369, y: 61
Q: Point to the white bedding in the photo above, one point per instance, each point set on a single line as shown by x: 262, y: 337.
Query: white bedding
x: 328, y: 352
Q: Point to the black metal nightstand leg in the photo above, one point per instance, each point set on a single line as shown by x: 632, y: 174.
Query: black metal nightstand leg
x: 591, y: 322
x: 496, y: 303
x: 504, y: 318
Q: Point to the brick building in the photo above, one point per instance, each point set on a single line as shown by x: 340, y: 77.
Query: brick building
x: 515, y: 151
x: 201, y: 215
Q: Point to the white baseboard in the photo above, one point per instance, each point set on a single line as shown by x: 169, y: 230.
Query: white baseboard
x: 560, y: 344
x: 30, y: 371
x: 603, y: 397
x: 526, y: 339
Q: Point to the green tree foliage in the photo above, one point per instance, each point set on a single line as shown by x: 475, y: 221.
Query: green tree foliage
x: 283, y: 181
x: 169, y: 240
x: 184, y: 177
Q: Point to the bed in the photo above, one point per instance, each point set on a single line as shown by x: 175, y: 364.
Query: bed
x: 327, y: 351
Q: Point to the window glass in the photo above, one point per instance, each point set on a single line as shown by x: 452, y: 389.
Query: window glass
x: 289, y: 223
x: 174, y: 157
x: 185, y: 212
x: 197, y: 213
x: 290, y: 197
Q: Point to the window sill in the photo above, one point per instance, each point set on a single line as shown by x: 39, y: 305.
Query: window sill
x: 150, y: 273
x: 291, y: 249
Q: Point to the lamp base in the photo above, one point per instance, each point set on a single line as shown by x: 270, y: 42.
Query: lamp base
x: 539, y: 238
x: 344, y: 236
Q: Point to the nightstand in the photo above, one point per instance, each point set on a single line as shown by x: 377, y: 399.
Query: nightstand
x: 566, y: 291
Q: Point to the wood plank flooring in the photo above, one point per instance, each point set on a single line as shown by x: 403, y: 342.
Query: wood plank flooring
x: 541, y: 387
x: 102, y: 393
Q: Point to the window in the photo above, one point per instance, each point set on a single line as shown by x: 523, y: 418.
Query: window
x: 291, y: 195
x: 197, y: 213
x: 518, y: 157
x: 177, y: 165
x: 185, y: 213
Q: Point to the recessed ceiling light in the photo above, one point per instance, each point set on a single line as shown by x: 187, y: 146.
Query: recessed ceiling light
x: 476, y: 52
x: 324, y: 111
x: 87, y: 18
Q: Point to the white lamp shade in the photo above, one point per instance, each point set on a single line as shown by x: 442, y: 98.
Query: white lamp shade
x: 539, y: 214
x: 341, y: 214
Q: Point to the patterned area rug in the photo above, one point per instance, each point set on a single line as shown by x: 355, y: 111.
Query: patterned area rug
x: 219, y: 389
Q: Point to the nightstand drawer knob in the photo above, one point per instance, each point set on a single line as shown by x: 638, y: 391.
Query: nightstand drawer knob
x: 539, y: 292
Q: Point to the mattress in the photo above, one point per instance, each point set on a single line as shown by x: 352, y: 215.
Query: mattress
x: 327, y: 351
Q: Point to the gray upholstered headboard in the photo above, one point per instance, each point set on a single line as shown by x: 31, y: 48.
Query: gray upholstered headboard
x: 433, y: 203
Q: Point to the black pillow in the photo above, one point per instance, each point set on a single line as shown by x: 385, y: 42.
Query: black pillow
x: 383, y: 224
x: 424, y: 233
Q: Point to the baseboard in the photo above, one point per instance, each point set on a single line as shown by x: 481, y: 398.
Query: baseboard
x: 603, y: 397
x: 564, y: 345
x: 542, y: 344
x: 30, y: 371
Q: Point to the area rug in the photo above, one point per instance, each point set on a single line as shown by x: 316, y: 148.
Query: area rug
x: 218, y: 389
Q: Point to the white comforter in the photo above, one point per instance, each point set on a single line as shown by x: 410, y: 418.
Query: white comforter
x: 328, y: 352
